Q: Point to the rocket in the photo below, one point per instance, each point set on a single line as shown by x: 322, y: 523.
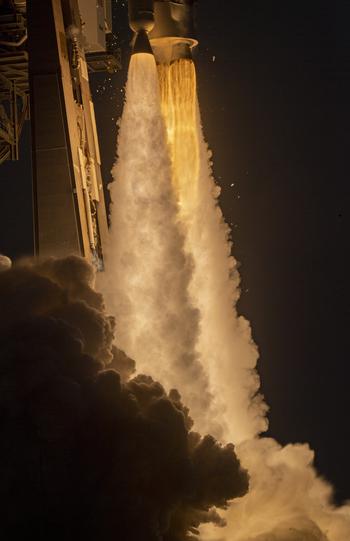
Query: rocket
x: 164, y: 28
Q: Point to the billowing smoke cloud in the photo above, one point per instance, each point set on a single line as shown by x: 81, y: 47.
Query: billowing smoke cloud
x: 287, y: 500
x: 82, y: 454
x: 62, y: 289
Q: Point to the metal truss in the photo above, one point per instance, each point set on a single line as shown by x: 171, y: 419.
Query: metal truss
x: 14, y: 84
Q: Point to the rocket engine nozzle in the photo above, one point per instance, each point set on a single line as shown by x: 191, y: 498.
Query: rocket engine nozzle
x: 141, y: 21
x: 141, y: 43
x: 168, y: 24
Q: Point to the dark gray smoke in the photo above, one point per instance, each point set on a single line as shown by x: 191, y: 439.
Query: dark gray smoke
x: 85, y: 452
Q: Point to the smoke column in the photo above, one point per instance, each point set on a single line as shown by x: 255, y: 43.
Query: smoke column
x: 147, y: 268
x: 173, y: 285
x: 224, y: 343
x: 286, y: 501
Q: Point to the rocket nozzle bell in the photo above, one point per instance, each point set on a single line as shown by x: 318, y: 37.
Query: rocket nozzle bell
x: 141, y: 43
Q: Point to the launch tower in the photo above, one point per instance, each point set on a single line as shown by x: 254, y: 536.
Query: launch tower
x: 69, y: 206
x: 47, y: 51
x: 14, y: 86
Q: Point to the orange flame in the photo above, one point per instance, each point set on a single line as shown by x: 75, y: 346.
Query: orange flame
x: 178, y: 88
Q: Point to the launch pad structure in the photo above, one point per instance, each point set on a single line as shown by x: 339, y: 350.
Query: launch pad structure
x: 68, y: 197
x: 14, y: 83
x: 69, y: 206
x: 47, y: 51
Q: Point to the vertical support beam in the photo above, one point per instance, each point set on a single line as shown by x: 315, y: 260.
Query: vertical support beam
x: 14, y: 121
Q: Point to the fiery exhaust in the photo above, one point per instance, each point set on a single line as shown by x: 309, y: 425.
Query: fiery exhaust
x: 179, y: 107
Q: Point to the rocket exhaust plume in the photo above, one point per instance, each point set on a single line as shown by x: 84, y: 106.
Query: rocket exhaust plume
x: 286, y: 501
x: 171, y: 278
x: 224, y: 341
x: 147, y: 268
x: 174, y: 282
x: 179, y: 107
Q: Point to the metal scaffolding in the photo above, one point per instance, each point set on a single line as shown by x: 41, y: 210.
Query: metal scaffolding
x: 14, y: 85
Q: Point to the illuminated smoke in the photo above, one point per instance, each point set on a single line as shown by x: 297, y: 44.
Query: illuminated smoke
x: 175, y: 286
x: 287, y: 501
x: 147, y: 270
x: 224, y: 343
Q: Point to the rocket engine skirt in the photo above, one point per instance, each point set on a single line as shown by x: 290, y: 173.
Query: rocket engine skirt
x: 173, y: 35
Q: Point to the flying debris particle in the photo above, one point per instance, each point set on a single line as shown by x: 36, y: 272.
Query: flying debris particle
x: 214, y: 58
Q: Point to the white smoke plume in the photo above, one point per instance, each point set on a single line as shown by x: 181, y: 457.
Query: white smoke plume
x: 174, y: 287
x: 287, y: 500
x: 225, y: 345
x: 147, y: 270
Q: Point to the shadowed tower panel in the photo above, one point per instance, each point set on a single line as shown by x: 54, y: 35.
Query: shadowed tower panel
x: 69, y: 207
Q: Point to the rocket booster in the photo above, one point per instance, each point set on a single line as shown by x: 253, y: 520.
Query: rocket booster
x: 169, y: 25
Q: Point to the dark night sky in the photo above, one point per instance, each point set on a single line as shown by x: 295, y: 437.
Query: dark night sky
x: 275, y: 112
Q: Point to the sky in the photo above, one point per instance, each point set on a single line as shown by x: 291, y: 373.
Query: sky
x: 273, y: 89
